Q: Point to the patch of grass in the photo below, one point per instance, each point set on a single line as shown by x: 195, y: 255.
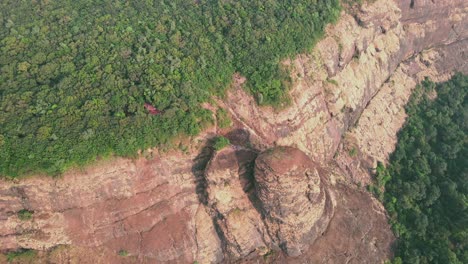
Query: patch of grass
x: 236, y: 212
x: 270, y: 254
x: 25, y: 215
x: 220, y: 143
x: 353, y: 152
x: 223, y: 118
x: 334, y: 82
x: 23, y: 255
x: 123, y: 253
x: 396, y: 260
x: 356, y: 56
x: 183, y: 148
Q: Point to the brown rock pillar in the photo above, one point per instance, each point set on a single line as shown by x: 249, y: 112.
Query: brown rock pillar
x: 294, y: 200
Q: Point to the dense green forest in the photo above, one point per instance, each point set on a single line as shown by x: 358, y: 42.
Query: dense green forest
x: 427, y: 179
x: 75, y: 75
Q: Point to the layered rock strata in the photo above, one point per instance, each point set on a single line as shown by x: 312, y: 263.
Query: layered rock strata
x: 229, y: 182
x: 295, y: 203
x: 288, y: 208
x: 334, y: 83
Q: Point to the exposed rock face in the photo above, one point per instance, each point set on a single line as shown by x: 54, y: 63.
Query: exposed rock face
x: 228, y: 176
x: 293, y: 198
x: 349, y: 93
x: 148, y: 208
x: 440, y: 27
x: 288, y: 208
x: 334, y: 83
x: 357, y: 212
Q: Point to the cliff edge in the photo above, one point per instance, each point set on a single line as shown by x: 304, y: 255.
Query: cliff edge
x: 289, y: 187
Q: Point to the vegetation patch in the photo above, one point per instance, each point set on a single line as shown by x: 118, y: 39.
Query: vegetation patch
x: 426, y: 180
x: 382, y: 176
x: 332, y: 81
x: 220, y: 143
x: 123, y: 253
x: 223, y: 118
x: 23, y: 256
x: 25, y: 215
x: 269, y: 255
x: 82, y: 79
x: 353, y: 152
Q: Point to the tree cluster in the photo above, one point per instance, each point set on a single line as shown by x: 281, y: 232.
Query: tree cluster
x: 75, y: 75
x: 427, y: 179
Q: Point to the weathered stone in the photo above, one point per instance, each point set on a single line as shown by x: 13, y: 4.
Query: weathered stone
x: 228, y: 176
x: 292, y: 196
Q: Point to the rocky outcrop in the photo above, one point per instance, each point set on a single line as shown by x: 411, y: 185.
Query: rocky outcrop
x: 374, y: 136
x: 288, y: 208
x: 439, y: 27
x: 334, y: 84
x: 147, y: 208
x: 354, y: 212
x: 296, y: 206
x: 231, y: 202
x: 348, y: 100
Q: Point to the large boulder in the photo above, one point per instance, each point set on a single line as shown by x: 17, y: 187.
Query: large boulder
x: 294, y: 201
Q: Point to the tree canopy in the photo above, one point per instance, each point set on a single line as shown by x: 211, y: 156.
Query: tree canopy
x: 427, y: 185
x: 75, y: 75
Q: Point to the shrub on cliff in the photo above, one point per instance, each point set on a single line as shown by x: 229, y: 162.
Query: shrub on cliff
x: 22, y: 256
x: 220, y: 143
x: 25, y: 215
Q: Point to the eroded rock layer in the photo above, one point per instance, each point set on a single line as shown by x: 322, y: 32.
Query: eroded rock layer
x: 293, y: 198
x: 334, y: 83
x: 228, y: 176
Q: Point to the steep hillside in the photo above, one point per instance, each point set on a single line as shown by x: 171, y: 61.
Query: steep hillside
x: 290, y: 186
x: 82, y: 79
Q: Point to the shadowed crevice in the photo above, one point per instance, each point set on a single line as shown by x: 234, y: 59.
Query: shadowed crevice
x: 198, y: 170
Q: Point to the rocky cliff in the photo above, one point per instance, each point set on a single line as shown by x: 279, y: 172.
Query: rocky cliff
x: 258, y: 200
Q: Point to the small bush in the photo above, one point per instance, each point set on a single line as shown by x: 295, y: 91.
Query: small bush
x: 353, y: 152
x: 334, y: 82
x: 269, y: 255
x: 123, y: 253
x: 223, y: 118
x: 25, y: 215
x: 24, y: 255
x: 220, y: 143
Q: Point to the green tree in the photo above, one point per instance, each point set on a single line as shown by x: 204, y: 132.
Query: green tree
x: 425, y: 182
